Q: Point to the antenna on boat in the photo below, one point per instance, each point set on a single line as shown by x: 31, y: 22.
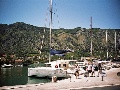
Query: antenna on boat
x: 50, y: 27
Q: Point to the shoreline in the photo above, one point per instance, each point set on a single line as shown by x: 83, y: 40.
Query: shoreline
x: 73, y: 83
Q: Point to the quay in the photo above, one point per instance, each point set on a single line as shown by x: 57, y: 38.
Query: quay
x: 111, y: 79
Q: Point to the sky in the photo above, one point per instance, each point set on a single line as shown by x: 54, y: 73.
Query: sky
x: 67, y: 14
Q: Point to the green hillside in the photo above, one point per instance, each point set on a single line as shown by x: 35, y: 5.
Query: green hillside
x: 25, y: 40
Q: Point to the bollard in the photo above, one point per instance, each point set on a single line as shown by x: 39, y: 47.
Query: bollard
x: 102, y: 77
x: 54, y: 79
x: 66, y: 73
x: 70, y: 78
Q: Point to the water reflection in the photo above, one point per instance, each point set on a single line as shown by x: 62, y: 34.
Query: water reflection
x: 34, y: 80
x: 13, y: 76
x: 18, y: 76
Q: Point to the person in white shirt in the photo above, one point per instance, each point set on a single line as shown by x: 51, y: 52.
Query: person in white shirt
x: 93, y: 70
x: 89, y: 69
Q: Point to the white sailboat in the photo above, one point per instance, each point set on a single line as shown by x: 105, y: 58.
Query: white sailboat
x: 58, y: 68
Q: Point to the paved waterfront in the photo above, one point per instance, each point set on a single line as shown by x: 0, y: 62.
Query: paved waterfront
x: 112, y: 87
x: 74, y: 84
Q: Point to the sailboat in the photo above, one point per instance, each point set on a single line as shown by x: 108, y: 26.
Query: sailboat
x: 58, y: 68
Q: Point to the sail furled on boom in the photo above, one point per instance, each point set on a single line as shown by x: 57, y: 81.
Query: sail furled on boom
x: 59, y: 52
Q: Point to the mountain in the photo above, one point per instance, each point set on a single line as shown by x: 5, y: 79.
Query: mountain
x: 24, y: 39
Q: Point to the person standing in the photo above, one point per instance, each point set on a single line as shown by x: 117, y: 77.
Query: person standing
x: 93, y: 70
x: 77, y: 71
x: 99, y: 68
x: 89, y: 69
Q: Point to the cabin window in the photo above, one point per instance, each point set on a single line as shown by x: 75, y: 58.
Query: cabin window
x: 72, y: 62
x: 48, y: 65
x: 64, y: 65
x: 60, y: 65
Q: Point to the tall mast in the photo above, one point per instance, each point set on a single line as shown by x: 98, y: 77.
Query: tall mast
x: 106, y: 42
x: 91, y: 35
x: 115, y: 41
x: 50, y: 27
x: 115, y: 46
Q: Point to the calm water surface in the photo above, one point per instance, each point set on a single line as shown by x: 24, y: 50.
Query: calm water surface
x: 18, y: 76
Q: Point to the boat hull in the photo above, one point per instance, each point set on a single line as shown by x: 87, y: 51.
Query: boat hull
x: 7, y: 66
x: 47, y: 72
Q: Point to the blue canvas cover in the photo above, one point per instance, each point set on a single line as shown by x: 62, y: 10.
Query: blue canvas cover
x: 58, y: 52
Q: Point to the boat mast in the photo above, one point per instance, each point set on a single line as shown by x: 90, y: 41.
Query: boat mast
x: 106, y: 42
x: 50, y: 27
x: 115, y: 41
x: 91, y: 35
x: 115, y: 46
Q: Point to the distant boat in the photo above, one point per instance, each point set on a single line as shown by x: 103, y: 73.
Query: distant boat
x: 7, y: 65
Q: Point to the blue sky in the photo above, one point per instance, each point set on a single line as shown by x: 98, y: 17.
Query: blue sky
x: 70, y: 13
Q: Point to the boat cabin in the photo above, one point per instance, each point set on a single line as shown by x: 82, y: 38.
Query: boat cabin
x: 61, y: 64
x: 80, y: 64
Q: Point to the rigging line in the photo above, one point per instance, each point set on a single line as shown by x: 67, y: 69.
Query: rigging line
x: 44, y: 31
x: 46, y: 17
x: 56, y: 17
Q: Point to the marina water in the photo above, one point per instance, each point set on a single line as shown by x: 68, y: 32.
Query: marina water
x: 18, y: 76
